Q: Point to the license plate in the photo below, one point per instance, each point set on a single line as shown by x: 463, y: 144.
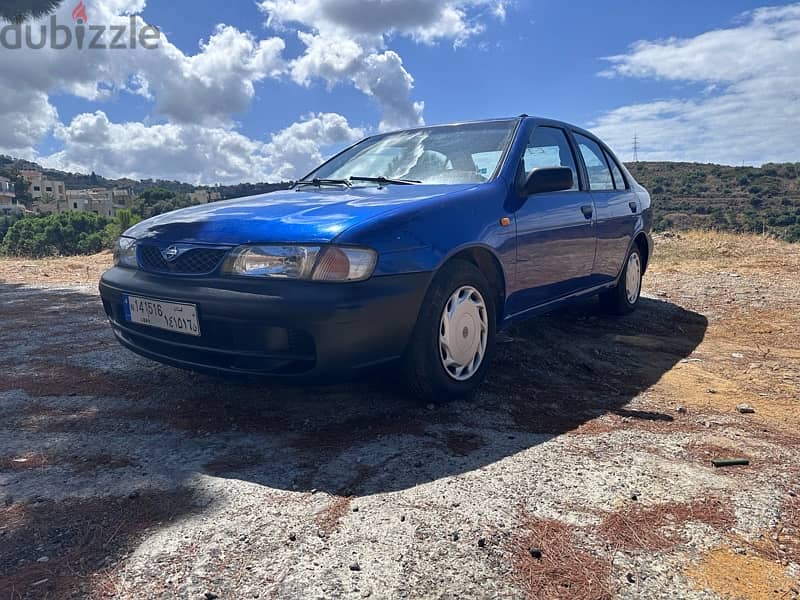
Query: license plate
x: 172, y: 316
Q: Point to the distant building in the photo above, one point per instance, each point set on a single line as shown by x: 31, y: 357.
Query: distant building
x: 204, y: 196
x: 8, y: 203
x: 48, y: 195
x: 101, y: 201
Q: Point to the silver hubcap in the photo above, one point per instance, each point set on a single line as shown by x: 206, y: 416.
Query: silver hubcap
x: 633, y: 278
x: 463, y: 332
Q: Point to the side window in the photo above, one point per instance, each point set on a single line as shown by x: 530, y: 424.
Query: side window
x: 619, y: 180
x: 596, y: 165
x: 548, y: 147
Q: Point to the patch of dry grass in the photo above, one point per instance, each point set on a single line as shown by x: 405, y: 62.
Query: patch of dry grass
x: 41, y: 379
x: 81, y: 464
x: 549, y: 564
x: 81, y: 538
x: 660, y: 527
x: 704, y: 248
x: 56, y: 270
x: 329, y: 517
x: 782, y: 544
x: 705, y: 452
x: 463, y: 444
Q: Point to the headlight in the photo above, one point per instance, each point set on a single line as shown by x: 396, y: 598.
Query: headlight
x: 317, y: 263
x: 125, y: 253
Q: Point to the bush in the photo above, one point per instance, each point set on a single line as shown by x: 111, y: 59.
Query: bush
x: 157, y: 201
x: 5, y: 224
x: 67, y: 234
x: 124, y: 220
x: 791, y: 234
x: 783, y: 220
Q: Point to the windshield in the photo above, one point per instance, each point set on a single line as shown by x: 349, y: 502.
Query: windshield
x: 447, y: 154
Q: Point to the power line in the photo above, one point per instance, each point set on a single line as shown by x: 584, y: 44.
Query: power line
x: 635, y: 148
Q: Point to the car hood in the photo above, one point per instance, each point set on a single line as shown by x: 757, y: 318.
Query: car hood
x: 305, y: 215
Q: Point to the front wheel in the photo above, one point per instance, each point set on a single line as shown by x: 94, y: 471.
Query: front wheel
x: 623, y: 298
x: 453, y: 340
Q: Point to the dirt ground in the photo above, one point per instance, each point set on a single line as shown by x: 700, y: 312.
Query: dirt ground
x: 582, y: 470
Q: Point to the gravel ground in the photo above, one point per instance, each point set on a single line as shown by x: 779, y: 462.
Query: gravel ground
x: 582, y: 470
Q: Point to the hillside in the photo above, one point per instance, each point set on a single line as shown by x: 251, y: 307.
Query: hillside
x: 10, y: 167
x: 686, y: 195
x: 738, y: 199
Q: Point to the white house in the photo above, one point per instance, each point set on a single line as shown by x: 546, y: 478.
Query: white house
x: 7, y: 197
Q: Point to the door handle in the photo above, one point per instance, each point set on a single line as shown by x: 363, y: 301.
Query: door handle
x: 587, y: 211
x: 633, y: 205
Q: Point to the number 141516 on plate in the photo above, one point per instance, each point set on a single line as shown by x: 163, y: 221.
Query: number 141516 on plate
x: 172, y: 316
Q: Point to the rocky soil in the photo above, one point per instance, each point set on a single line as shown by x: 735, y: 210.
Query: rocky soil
x: 582, y: 470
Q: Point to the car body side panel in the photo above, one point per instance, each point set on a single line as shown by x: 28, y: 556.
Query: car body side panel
x: 616, y: 225
x: 555, y: 249
x: 555, y: 240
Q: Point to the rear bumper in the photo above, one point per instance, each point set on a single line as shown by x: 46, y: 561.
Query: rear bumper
x: 272, y: 327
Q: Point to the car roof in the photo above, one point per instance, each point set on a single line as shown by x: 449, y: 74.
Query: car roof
x: 523, y: 117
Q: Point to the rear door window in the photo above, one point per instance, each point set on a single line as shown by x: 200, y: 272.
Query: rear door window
x: 619, y: 180
x: 596, y: 166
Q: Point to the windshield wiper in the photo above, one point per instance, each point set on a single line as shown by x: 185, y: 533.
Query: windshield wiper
x: 320, y: 182
x: 385, y: 180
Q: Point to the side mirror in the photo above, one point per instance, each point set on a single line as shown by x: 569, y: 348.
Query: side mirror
x: 548, y: 179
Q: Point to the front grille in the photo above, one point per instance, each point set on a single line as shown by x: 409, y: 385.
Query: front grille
x: 195, y: 261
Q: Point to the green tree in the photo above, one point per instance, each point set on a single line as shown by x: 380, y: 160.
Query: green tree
x: 66, y: 234
x: 156, y: 201
x: 21, y: 188
x: 123, y: 220
x: 126, y: 219
x: 18, y: 11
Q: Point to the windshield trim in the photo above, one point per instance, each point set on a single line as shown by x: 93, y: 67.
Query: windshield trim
x: 500, y: 164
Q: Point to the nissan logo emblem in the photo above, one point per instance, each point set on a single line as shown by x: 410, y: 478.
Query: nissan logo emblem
x: 170, y: 253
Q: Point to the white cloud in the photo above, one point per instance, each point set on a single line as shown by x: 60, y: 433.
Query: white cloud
x: 196, y: 153
x: 750, y: 108
x: 347, y: 42
x: 219, y: 80
x: 208, y: 88
x: 423, y: 20
x: 196, y: 96
x: 380, y: 75
x: 27, y: 116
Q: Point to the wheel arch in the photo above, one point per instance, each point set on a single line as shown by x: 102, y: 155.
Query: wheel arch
x: 489, y: 264
x: 643, y: 245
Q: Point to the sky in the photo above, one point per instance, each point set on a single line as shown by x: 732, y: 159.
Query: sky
x: 263, y: 90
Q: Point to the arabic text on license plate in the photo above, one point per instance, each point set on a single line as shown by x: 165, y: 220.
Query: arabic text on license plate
x: 172, y: 316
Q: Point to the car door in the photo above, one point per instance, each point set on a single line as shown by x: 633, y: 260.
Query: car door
x: 616, y: 207
x: 555, y: 233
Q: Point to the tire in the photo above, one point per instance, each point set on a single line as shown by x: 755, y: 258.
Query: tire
x: 425, y: 369
x: 624, y: 297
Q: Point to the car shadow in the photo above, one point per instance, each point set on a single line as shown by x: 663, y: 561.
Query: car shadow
x: 98, y: 439
x: 555, y: 374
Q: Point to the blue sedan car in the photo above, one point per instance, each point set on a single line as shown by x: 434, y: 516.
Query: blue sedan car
x: 411, y: 247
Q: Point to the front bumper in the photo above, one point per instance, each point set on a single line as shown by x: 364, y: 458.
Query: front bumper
x: 262, y: 327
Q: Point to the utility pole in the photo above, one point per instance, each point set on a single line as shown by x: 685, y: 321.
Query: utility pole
x: 635, y: 148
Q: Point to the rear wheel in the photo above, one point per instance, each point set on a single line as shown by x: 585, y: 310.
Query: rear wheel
x: 623, y: 298
x: 453, y: 341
